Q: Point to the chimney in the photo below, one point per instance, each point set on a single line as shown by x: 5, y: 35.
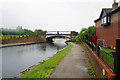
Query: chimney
x: 114, y: 5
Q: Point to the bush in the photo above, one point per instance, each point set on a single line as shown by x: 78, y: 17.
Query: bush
x: 85, y: 34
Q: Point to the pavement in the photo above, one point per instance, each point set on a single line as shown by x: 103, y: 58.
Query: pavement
x: 74, y: 64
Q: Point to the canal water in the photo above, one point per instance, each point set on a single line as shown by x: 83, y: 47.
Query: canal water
x: 18, y: 58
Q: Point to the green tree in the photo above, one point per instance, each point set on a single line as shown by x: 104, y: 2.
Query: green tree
x: 85, y: 34
x: 37, y: 31
x: 27, y: 32
x: 91, y: 30
x: 82, y: 35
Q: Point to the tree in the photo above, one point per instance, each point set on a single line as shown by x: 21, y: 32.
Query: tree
x: 27, y: 32
x: 19, y: 31
x: 37, y: 31
x: 91, y: 30
x: 82, y: 35
x: 85, y: 34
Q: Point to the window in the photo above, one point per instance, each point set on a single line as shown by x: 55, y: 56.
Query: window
x: 108, y: 19
x: 105, y: 20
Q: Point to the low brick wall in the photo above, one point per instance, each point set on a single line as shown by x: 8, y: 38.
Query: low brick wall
x: 79, y: 42
x: 101, y: 69
x: 20, y: 40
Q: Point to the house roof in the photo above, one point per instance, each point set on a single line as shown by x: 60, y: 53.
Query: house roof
x: 107, y: 11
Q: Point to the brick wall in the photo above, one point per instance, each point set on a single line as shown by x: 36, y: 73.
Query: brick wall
x: 98, y: 24
x: 111, y: 32
x: 99, y: 66
x: 20, y: 40
x: 119, y: 24
x: 114, y: 18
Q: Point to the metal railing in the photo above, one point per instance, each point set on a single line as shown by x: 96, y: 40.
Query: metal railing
x: 107, y: 58
x: 111, y: 59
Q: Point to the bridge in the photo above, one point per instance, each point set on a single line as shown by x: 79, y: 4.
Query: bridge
x: 52, y: 34
x: 58, y: 33
x: 49, y: 35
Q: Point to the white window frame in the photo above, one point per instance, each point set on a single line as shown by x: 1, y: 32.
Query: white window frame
x: 104, y: 20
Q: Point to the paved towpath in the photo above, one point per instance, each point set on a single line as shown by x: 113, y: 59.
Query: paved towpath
x: 73, y: 65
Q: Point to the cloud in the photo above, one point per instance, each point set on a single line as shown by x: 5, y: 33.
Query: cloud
x: 52, y: 14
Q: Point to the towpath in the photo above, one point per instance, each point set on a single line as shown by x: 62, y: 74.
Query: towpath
x: 73, y: 65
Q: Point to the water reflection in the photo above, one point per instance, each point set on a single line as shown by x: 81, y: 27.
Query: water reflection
x: 43, y: 46
x: 18, y: 58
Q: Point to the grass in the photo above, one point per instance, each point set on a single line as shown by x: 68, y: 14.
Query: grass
x: 91, y: 69
x: 74, y: 42
x: 57, y: 37
x: 91, y: 72
x: 46, y: 68
x: 12, y: 36
x: 109, y: 60
x: 107, y: 50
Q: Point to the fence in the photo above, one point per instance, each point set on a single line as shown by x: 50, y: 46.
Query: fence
x: 107, y: 58
x: 112, y: 59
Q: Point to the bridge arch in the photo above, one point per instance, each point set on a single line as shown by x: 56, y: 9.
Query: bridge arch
x: 50, y: 38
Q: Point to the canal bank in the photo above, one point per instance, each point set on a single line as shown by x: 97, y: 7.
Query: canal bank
x: 16, y: 59
x: 73, y: 65
x: 20, y: 44
x: 16, y: 44
x: 46, y: 67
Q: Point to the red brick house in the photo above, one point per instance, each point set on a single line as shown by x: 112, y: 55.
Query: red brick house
x: 108, y: 25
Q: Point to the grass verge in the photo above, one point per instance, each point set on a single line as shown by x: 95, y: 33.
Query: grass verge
x: 74, y: 42
x: 106, y: 57
x: 91, y: 69
x: 107, y: 50
x: 46, y: 68
x: 91, y: 72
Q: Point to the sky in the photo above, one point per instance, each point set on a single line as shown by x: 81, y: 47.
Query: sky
x: 51, y: 15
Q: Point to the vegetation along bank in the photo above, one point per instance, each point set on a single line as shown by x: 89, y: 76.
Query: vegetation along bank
x: 46, y: 68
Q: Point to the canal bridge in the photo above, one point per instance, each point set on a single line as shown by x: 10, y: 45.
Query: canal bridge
x: 49, y: 35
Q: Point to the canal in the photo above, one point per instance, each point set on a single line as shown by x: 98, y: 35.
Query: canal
x: 18, y: 58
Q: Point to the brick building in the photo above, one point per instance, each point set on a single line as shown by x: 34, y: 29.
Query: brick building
x: 108, y: 25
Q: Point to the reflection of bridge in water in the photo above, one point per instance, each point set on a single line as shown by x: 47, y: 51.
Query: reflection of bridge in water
x: 64, y: 34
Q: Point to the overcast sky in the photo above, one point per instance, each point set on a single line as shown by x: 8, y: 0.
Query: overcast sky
x: 52, y: 14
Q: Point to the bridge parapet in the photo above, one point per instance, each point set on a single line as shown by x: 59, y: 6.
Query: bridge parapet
x: 58, y: 33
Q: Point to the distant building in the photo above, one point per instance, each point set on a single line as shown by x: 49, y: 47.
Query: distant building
x: 108, y: 24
